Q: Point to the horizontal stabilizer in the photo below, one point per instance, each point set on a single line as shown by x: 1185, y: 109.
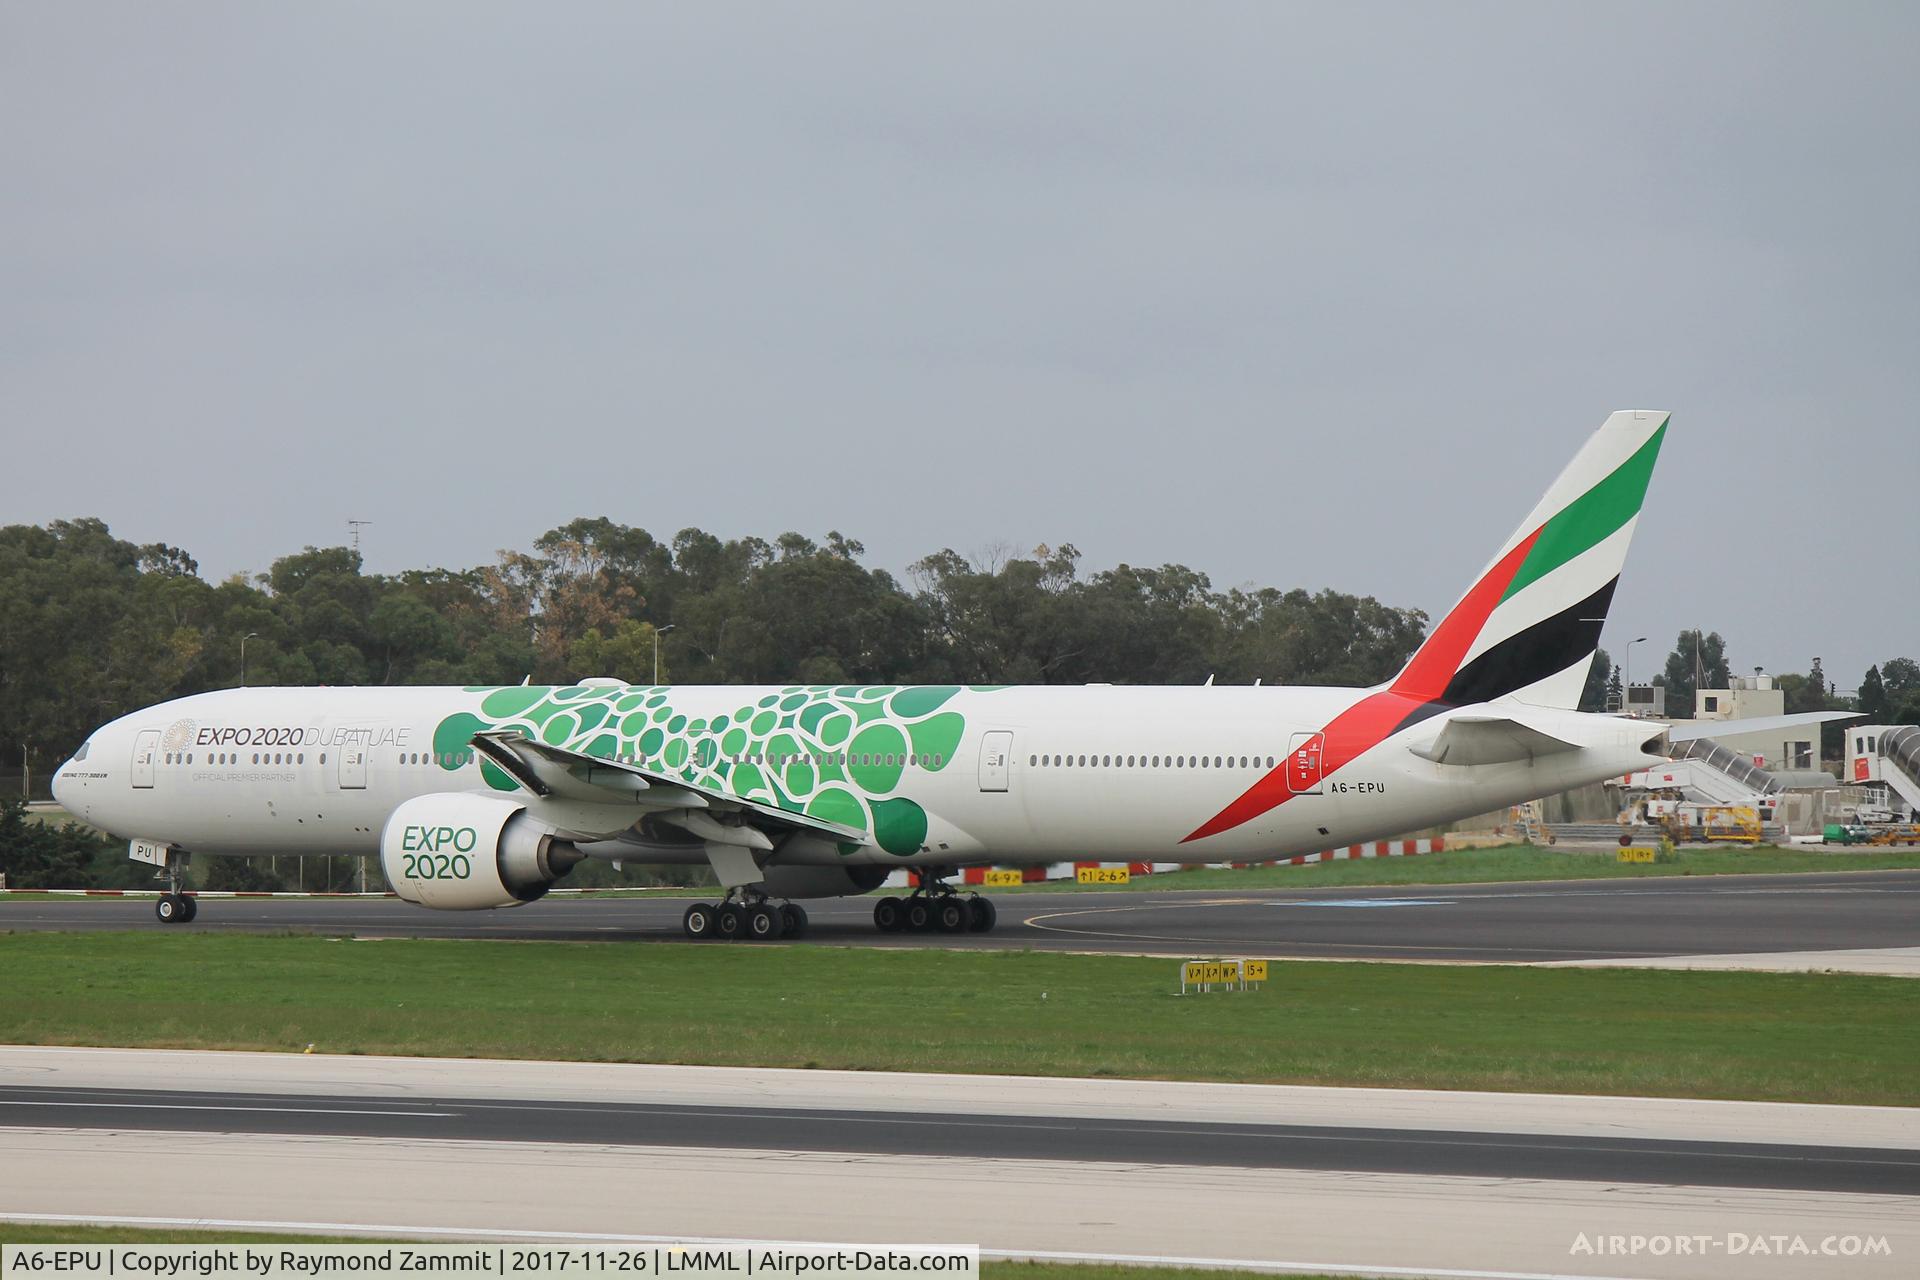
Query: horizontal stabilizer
x: 1484, y: 739
x: 1687, y: 730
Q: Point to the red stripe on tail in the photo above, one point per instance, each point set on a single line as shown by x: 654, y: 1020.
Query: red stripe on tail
x: 1365, y: 724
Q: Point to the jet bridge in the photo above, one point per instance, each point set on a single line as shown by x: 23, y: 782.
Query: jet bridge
x: 1887, y: 756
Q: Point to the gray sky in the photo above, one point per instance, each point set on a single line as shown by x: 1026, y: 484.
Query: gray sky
x: 1297, y: 295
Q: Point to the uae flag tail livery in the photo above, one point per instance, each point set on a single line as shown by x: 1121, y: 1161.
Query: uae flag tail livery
x: 1518, y: 645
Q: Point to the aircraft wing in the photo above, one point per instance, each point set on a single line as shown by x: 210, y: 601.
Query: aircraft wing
x: 1687, y: 730
x: 557, y: 774
x: 1490, y: 739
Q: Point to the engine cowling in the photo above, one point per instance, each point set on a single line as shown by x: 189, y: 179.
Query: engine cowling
x: 822, y: 882
x: 456, y: 851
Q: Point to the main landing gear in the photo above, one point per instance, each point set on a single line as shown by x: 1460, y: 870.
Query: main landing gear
x: 935, y: 906
x: 744, y: 913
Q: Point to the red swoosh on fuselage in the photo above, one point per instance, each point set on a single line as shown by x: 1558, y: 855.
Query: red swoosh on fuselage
x: 1370, y: 721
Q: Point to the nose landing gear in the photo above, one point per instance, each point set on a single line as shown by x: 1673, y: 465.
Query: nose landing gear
x: 174, y: 906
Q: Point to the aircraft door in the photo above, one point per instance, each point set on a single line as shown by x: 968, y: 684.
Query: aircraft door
x: 996, y: 760
x: 353, y: 768
x: 1303, y: 763
x: 146, y: 747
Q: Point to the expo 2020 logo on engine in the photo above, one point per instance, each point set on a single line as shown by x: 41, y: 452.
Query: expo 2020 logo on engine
x: 179, y: 736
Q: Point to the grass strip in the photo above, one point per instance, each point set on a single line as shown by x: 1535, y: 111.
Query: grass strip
x: 1788, y: 1037
x: 1502, y: 863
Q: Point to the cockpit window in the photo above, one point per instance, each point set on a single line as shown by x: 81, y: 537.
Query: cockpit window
x: 81, y: 754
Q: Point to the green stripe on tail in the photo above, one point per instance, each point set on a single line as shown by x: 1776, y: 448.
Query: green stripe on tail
x: 1593, y: 517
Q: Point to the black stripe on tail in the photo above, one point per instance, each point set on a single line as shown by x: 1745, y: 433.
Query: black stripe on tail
x: 1546, y: 648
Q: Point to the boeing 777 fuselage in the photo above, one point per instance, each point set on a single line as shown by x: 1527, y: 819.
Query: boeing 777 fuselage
x: 485, y: 797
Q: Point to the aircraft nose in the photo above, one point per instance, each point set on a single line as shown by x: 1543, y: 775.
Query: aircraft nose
x: 60, y: 786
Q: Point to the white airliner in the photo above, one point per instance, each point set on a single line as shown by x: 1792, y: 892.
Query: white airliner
x: 485, y: 797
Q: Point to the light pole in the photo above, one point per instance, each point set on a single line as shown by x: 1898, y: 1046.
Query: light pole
x: 1626, y: 674
x: 251, y: 635
x: 657, y: 633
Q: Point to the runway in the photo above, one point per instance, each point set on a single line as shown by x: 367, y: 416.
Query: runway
x: 1594, y: 921
x: 889, y: 1133
x: 1328, y: 1179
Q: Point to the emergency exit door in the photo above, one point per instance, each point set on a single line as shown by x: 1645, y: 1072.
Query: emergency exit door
x: 1304, y: 763
x: 146, y: 746
x: 996, y: 759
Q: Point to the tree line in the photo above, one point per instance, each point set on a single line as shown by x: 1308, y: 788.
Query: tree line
x: 93, y: 626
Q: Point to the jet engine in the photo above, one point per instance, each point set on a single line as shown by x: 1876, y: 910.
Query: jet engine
x: 822, y: 882
x: 456, y: 851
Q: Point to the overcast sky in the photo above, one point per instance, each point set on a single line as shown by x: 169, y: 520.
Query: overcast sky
x: 1297, y: 295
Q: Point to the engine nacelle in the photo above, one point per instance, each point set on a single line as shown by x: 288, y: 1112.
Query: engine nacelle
x: 822, y: 882
x: 457, y: 851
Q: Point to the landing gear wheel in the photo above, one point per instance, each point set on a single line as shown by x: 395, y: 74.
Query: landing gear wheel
x: 795, y: 918
x: 981, y: 917
x: 764, y: 922
x: 950, y: 915
x: 888, y: 917
x: 192, y: 906
x: 727, y: 921
x: 698, y: 922
x: 170, y: 908
x: 919, y: 915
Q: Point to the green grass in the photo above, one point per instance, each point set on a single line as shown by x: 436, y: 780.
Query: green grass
x: 1501, y: 863
x: 34, y: 1233
x: 1800, y: 1037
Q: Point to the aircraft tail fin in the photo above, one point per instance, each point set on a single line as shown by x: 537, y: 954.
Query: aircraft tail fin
x: 1528, y: 626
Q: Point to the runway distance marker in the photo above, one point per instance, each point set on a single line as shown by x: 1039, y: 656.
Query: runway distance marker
x: 1103, y: 875
x: 1632, y: 854
x: 997, y: 879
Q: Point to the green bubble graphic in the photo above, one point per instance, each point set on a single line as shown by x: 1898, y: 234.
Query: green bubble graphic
x: 938, y: 736
x: 879, y: 755
x: 899, y: 825
x: 836, y: 804
x: 455, y: 734
x: 504, y: 704
x: 921, y: 700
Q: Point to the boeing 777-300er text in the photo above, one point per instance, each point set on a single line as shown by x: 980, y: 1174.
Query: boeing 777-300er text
x: 485, y: 797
